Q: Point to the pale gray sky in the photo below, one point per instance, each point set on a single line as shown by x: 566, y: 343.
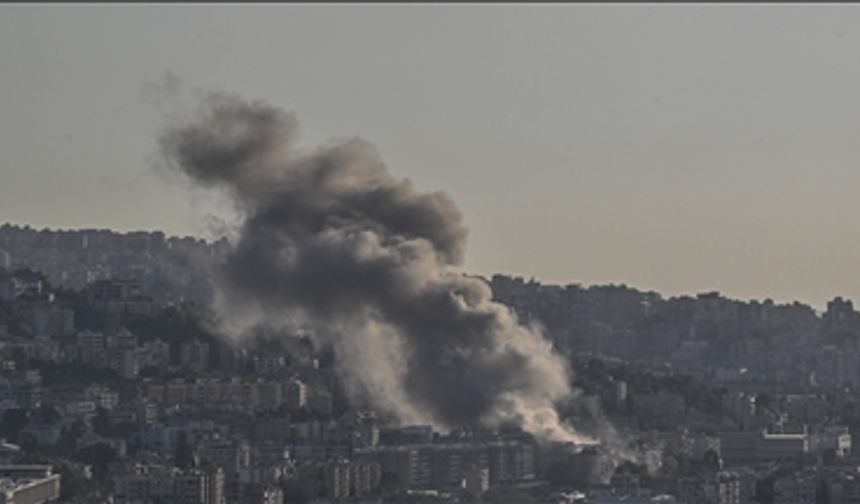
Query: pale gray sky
x: 679, y: 148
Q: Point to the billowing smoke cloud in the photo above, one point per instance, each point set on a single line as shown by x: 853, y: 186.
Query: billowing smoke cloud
x: 331, y: 240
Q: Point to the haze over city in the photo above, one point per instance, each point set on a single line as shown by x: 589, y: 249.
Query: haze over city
x: 679, y: 148
x: 442, y: 254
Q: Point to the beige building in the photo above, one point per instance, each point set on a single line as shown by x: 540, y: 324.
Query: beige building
x: 28, y: 484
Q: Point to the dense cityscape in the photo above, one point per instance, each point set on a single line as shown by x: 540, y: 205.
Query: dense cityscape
x: 429, y: 254
x: 118, y: 387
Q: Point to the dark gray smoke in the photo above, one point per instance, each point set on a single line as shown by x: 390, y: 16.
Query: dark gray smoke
x: 329, y: 239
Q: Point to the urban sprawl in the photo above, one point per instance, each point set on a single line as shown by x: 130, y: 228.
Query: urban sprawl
x: 117, y: 387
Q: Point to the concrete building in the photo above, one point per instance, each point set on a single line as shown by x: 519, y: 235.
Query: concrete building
x: 615, y: 499
x: 195, y: 355
x: 759, y: 446
x: 123, y: 338
x: 7, y: 288
x: 408, y: 434
x: 336, y: 480
x: 49, y: 319
x: 120, y: 300
x: 269, y: 365
x: 28, y: 484
x: 258, y: 494
x: 741, y: 408
x: 91, y: 347
x: 445, y: 464
x: 781, y: 446
x: 476, y: 480
x: 115, y: 289
x: 269, y: 394
x: 271, y: 495
x: 833, y: 439
x: 806, y: 408
x: 795, y: 489
x: 148, y: 483
x: 343, y: 479
x: 230, y: 455
x: 843, y: 487
x: 91, y: 341
x: 295, y: 395
x: 124, y: 361
x: 320, y: 400
x: 5, y: 260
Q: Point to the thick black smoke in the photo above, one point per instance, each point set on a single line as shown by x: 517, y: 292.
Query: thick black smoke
x: 330, y: 239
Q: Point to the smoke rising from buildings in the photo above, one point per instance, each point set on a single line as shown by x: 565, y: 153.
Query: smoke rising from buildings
x: 330, y: 239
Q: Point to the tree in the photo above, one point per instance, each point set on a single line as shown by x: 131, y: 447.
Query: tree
x: 70, y: 435
x: 13, y: 421
x: 670, y: 464
x: 70, y: 485
x: 101, y: 422
x: 47, y: 414
x: 99, y: 456
x: 712, y: 460
x: 630, y: 467
x: 763, y: 401
x: 764, y: 490
x: 390, y: 482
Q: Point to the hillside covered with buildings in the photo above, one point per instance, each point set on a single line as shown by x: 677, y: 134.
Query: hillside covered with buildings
x: 116, y: 386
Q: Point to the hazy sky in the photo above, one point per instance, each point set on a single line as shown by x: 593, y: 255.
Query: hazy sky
x: 679, y: 148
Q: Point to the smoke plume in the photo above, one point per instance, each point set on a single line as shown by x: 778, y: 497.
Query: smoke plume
x: 330, y: 239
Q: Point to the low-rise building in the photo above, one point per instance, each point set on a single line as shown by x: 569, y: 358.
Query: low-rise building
x: 28, y: 484
x: 144, y: 483
x: 756, y: 446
